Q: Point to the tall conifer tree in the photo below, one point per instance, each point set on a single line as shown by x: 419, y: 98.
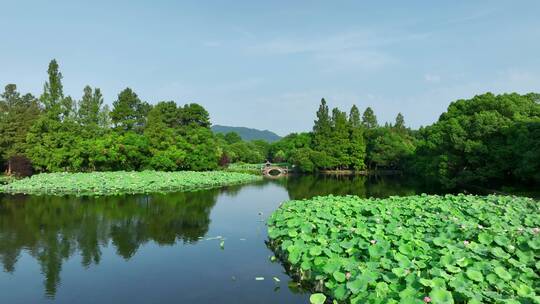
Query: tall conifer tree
x: 90, y: 107
x: 369, y: 120
x: 400, y: 121
x: 357, y: 148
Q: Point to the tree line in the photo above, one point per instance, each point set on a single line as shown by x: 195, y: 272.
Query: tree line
x: 341, y: 141
x: 488, y: 138
x: 58, y: 133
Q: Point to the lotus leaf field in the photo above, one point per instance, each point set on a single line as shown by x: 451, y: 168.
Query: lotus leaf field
x: 417, y: 249
x: 121, y: 182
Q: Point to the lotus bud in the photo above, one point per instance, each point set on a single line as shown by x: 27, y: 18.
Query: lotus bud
x: 466, y: 242
x: 427, y: 299
x: 373, y: 242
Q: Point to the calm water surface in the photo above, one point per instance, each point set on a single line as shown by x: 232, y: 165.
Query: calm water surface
x: 158, y: 248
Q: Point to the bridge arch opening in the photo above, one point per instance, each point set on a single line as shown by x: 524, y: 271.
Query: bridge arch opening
x: 274, y: 172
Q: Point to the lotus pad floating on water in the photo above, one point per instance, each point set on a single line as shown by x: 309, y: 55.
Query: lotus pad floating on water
x: 121, y: 182
x: 417, y: 249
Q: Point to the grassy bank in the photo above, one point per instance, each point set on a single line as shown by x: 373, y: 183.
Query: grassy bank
x: 120, y: 182
x: 417, y: 249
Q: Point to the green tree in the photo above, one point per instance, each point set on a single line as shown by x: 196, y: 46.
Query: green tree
x: 388, y: 148
x: 303, y: 160
x: 369, y: 120
x: 52, y: 144
x: 89, y: 108
x: 322, y: 136
x: 280, y: 156
x: 17, y: 114
x: 262, y: 146
x: 283, y: 149
x: 104, y: 118
x: 129, y: 112
x: 167, y: 147
x: 400, y: 122
x: 53, y: 91
x: 322, y: 127
x: 340, y: 147
x: 246, y: 152
x: 232, y: 137
x: 202, y: 151
x: 357, y: 147
x: 53, y: 140
x: 167, y: 113
x: 473, y: 141
x: 195, y: 115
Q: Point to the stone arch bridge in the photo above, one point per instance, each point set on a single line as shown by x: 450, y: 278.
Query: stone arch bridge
x: 274, y: 170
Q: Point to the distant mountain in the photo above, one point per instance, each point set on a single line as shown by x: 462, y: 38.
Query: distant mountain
x: 248, y: 133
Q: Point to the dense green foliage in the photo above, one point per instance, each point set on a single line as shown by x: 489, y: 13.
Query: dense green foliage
x: 17, y: 115
x: 58, y: 133
x: 347, y: 142
x: 389, y: 147
x: 416, y: 249
x: 121, y: 182
x: 337, y: 142
x: 487, y: 139
x: 238, y: 150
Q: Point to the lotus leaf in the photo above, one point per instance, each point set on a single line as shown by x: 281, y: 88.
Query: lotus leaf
x: 447, y: 249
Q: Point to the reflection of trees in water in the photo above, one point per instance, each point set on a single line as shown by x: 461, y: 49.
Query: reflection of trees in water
x: 307, y: 186
x: 384, y: 186
x: 314, y: 185
x: 51, y: 229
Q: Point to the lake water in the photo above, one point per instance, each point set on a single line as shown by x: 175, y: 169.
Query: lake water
x: 161, y: 248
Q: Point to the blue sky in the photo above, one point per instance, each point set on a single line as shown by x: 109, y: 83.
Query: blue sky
x: 266, y: 64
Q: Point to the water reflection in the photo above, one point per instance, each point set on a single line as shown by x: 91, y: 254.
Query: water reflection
x: 53, y: 229
x: 363, y: 186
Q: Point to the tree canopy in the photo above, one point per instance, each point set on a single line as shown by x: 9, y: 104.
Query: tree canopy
x: 60, y: 133
x: 486, y: 139
x: 489, y: 138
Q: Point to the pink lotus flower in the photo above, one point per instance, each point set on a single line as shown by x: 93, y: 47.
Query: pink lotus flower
x: 427, y: 299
